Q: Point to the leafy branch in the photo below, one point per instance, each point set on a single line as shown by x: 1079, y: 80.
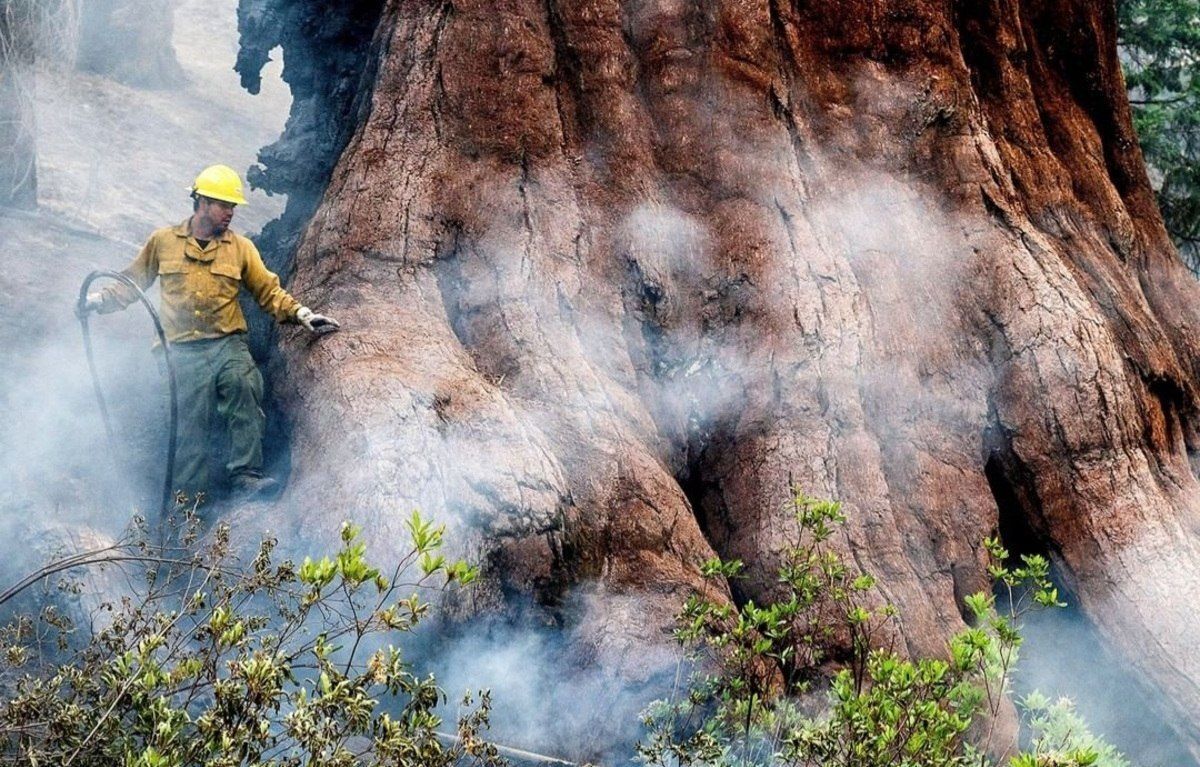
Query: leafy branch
x: 222, y: 661
x: 748, y: 687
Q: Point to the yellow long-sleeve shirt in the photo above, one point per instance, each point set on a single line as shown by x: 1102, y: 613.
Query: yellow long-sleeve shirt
x: 200, y: 285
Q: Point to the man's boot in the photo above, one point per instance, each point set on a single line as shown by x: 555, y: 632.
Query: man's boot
x: 252, y: 487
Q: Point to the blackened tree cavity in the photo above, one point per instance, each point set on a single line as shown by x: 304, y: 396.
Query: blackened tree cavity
x: 326, y: 66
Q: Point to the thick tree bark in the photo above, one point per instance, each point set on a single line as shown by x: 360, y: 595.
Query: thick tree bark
x: 130, y: 41
x: 18, y: 143
x: 615, y: 274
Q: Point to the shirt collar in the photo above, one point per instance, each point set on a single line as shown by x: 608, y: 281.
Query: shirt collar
x: 185, y: 230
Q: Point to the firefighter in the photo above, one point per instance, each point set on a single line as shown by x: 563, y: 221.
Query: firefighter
x: 202, y: 265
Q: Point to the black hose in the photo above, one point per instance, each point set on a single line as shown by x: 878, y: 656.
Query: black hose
x: 81, y: 310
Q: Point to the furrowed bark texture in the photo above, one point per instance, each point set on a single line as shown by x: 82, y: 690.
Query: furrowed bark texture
x: 614, y: 275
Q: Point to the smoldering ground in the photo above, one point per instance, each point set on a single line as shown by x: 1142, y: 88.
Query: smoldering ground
x: 551, y: 694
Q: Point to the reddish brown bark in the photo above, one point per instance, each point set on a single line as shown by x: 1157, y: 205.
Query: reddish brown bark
x: 614, y: 274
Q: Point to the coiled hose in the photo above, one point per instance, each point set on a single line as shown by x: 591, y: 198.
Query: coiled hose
x: 168, y: 491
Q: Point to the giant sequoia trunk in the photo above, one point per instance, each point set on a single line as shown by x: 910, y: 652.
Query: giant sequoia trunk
x: 615, y: 274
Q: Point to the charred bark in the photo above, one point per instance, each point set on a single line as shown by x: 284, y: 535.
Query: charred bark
x: 592, y: 254
x: 327, y: 72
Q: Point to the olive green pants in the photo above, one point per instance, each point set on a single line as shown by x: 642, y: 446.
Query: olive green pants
x: 217, y: 376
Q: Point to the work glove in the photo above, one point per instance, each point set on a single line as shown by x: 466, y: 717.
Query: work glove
x: 317, y: 323
x: 92, y: 303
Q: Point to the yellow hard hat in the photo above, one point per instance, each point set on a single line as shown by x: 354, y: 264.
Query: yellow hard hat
x: 220, y: 182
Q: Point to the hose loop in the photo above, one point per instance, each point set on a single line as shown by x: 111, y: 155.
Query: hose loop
x: 168, y: 495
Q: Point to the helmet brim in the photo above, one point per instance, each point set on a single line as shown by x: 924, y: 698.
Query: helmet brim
x: 215, y: 196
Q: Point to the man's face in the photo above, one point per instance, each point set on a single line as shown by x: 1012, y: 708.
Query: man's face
x: 218, y: 214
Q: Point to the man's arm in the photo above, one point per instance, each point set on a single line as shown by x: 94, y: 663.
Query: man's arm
x: 264, y: 285
x: 117, y: 296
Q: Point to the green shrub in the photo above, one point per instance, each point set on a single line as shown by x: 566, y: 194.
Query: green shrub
x: 217, y: 661
x: 1060, y: 736
x: 751, y: 674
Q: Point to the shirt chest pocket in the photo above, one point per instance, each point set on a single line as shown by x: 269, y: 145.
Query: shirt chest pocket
x: 173, y: 276
x: 204, y: 285
x: 225, y: 278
